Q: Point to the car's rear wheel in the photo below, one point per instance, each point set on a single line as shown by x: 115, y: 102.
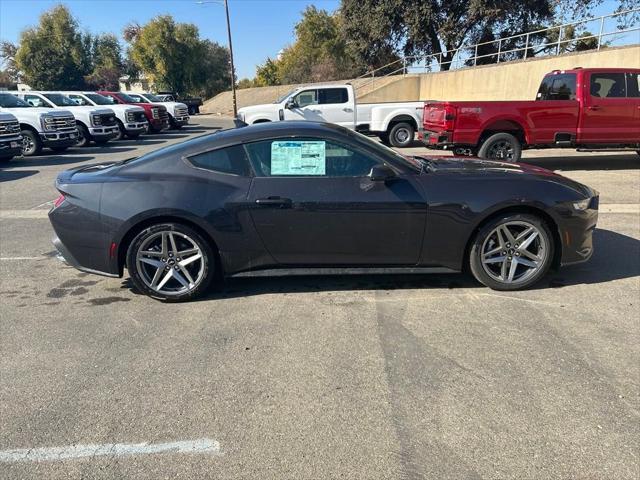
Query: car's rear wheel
x: 401, y: 134
x: 31, y: 143
x: 512, y: 252
x: 503, y: 147
x: 171, y: 262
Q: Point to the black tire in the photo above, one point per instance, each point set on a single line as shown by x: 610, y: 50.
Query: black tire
x: 153, y: 129
x: 173, y: 125
x: 638, y: 152
x: 180, y: 231
x: 133, y: 136
x: 84, y: 139
x: 31, y: 143
x: 544, y: 240
x: 402, y: 135
x: 122, y: 132
x: 59, y: 149
x: 503, y: 147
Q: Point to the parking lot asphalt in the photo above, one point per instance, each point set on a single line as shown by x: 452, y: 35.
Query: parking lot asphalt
x: 372, y: 377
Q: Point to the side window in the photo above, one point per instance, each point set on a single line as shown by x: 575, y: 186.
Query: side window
x: 307, y: 97
x: 36, y: 101
x: 633, y: 85
x: 333, y: 95
x: 307, y: 157
x: 78, y: 99
x: 558, y: 87
x: 608, y: 85
x: 225, y: 160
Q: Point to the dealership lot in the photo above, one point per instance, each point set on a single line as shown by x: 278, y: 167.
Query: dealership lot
x: 321, y: 377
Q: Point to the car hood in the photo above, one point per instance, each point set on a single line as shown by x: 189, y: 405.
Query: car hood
x: 172, y: 105
x: 479, y: 167
x: 125, y: 108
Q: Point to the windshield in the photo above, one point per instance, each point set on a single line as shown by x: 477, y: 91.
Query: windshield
x: 60, y: 100
x: 152, y: 98
x: 281, y: 99
x: 128, y: 98
x: 136, y: 98
x: 99, y: 99
x: 10, y: 101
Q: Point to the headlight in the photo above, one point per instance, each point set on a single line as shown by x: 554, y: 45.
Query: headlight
x: 582, y: 205
x: 155, y: 112
x: 130, y: 116
x: 96, y: 120
x: 48, y: 122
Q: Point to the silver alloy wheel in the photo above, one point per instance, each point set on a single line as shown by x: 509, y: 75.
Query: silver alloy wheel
x: 402, y: 135
x: 170, y: 263
x: 28, y: 145
x: 513, y: 252
x: 501, y: 150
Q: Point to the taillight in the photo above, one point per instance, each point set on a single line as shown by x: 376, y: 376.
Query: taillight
x: 449, y: 117
x: 58, y: 201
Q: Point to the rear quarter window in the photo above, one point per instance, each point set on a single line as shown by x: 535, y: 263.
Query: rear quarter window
x: 230, y: 160
x: 558, y: 87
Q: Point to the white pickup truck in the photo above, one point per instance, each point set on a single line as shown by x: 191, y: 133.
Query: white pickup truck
x: 132, y: 121
x: 40, y: 127
x: 395, y: 122
x: 178, y: 112
x: 97, y: 124
x: 10, y: 138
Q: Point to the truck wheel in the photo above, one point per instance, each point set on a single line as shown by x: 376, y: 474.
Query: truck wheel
x: 31, y: 144
x: 501, y: 146
x: 384, y: 138
x: 401, y: 134
x: 122, y: 132
x: 84, y: 139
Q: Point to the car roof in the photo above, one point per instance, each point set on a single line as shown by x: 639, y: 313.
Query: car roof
x: 271, y: 129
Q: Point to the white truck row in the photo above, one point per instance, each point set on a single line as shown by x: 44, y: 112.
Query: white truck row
x: 33, y: 120
x: 394, y: 122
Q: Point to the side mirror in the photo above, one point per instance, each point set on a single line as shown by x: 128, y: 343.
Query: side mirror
x: 291, y: 104
x: 381, y: 173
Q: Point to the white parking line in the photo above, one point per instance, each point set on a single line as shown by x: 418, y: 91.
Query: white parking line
x: 10, y: 259
x: 201, y: 446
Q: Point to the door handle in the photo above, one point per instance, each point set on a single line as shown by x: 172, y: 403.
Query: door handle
x: 594, y: 107
x: 274, y: 202
x: 348, y: 110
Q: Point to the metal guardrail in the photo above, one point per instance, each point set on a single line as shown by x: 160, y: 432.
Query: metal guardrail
x: 524, y: 42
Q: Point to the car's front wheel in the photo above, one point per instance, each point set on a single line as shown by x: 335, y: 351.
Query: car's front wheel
x: 171, y: 262
x: 512, y: 252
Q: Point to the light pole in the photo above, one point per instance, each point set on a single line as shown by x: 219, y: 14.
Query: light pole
x: 233, y: 70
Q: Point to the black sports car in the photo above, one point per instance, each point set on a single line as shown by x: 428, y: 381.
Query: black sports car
x: 275, y: 198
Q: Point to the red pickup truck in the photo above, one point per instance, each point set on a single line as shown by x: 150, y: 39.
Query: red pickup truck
x: 156, y: 114
x: 583, y: 108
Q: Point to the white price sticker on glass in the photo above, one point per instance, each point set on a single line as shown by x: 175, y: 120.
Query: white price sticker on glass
x: 298, y: 157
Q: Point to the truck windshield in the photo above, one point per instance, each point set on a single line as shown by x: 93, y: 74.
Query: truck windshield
x: 10, y: 101
x: 152, y: 98
x: 99, y: 99
x: 60, y: 100
x: 137, y: 98
x: 129, y: 98
x: 281, y: 99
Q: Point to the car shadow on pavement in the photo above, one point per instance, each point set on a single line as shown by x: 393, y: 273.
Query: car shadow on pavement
x: 47, y: 160
x: 624, y: 161
x: 605, y: 265
x: 10, y: 176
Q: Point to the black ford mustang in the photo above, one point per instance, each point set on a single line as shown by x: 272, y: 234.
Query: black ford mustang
x: 275, y: 198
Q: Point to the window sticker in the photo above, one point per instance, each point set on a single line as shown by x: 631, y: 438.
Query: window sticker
x: 298, y: 158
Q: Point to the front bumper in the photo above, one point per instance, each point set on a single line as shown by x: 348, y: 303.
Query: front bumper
x: 11, y: 147
x: 59, y: 139
x: 65, y: 256
x: 184, y: 120
x: 104, y: 132
x: 576, y: 233
x: 159, y: 124
x: 136, y: 127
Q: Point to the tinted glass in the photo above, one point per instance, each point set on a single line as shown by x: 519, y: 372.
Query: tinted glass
x: 35, y: 101
x: 152, y: 98
x: 608, y: 85
x: 79, y: 100
x: 225, y: 160
x: 633, y: 85
x: 307, y: 157
x: 100, y: 99
x: 11, y: 101
x: 60, y: 100
x: 333, y: 95
x: 558, y: 87
x: 136, y: 98
x: 307, y: 97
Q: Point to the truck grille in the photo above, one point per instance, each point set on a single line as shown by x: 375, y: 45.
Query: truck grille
x: 136, y: 116
x: 11, y: 127
x: 180, y: 111
x: 63, y: 123
x: 163, y: 114
x: 107, y: 119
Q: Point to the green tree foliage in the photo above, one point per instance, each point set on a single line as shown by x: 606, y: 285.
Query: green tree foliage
x: 320, y: 52
x: 173, y: 56
x: 107, y: 64
x: 54, y: 54
x: 11, y: 72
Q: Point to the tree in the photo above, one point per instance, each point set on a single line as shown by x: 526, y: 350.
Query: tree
x: 267, y: 74
x: 107, y: 64
x: 173, y: 56
x: 11, y: 71
x: 54, y: 55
